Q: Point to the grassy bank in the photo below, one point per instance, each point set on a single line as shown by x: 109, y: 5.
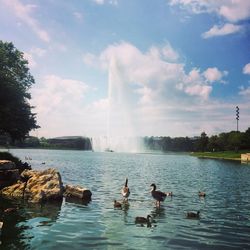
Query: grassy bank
x: 226, y: 155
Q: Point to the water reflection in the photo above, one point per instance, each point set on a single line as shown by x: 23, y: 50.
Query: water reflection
x: 158, y: 213
x: 24, y: 219
x: 225, y: 216
x: 78, y: 201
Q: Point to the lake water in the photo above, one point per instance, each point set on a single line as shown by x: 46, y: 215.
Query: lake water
x: 225, y: 212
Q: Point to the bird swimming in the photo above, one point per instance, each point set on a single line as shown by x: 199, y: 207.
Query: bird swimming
x: 117, y: 204
x: 125, y: 190
x: 202, y: 194
x: 157, y: 195
x: 143, y: 220
x: 192, y: 215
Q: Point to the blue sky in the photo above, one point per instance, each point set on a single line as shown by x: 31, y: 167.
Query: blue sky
x: 134, y: 67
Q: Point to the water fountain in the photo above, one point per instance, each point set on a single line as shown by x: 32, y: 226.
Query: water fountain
x: 121, y: 129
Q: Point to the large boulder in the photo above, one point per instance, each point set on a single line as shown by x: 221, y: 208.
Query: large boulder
x: 77, y: 192
x: 38, y: 186
x: 8, y: 173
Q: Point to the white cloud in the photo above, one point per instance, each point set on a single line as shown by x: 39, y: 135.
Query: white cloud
x: 148, y: 95
x: 60, y: 105
x: 235, y: 10
x: 151, y: 93
x: 232, y: 11
x: 32, y: 54
x: 246, y: 69
x: 213, y: 74
x: 30, y: 59
x: 151, y: 73
x: 56, y: 93
x: 169, y: 53
x: 226, y: 29
x: 199, y: 90
x: 245, y: 91
x: 101, y: 2
x: 23, y: 12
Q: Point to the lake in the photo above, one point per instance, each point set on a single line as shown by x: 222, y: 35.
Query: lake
x: 225, y: 211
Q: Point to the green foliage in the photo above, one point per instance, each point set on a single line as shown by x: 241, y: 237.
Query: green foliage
x: 232, y: 141
x: 16, y: 118
x: 202, y: 142
x: 178, y: 144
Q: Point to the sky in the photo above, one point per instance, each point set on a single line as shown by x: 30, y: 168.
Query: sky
x: 134, y: 67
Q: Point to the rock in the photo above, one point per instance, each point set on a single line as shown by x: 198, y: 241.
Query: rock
x: 7, y: 165
x: 77, y: 192
x: 39, y: 186
x: 8, y: 173
x: 14, y: 191
x: 43, y: 186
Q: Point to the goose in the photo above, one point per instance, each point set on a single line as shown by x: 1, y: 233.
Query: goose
x: 157, y: 195
x: 117, y: 204
x: 192, y: 215
x: 125, y: 190
x: 202, y: 194
x: 143, y: 220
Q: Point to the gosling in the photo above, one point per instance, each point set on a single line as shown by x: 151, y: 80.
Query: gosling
x: 143, y: 220
x: 117, y: 204
x: 202, y: 194
x: 192, y: 215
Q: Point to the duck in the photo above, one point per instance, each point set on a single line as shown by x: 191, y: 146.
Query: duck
x: 157, y: 195
x: 117, y: 204
x: 125, y: 190
x: 143, y: 220
x: 192, y: 215
x: 202, y: 194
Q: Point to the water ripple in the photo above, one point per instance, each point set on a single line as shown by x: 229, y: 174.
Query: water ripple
x: 224, y: 222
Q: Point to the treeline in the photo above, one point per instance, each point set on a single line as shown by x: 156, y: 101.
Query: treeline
x: 223, y: 142
x: 69, y: 142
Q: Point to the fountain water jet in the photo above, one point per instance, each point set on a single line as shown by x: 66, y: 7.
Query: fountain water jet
x: 121, y: 129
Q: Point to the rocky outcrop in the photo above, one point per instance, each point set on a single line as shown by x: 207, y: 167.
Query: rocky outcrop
x: 8, y: 173
x: 37, y: 186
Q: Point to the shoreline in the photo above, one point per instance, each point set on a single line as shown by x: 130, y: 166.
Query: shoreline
x: 216, y: 157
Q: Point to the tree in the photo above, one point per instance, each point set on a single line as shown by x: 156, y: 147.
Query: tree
x: 202, y: 142
x: 235, y: 140
x: 16, y: 118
